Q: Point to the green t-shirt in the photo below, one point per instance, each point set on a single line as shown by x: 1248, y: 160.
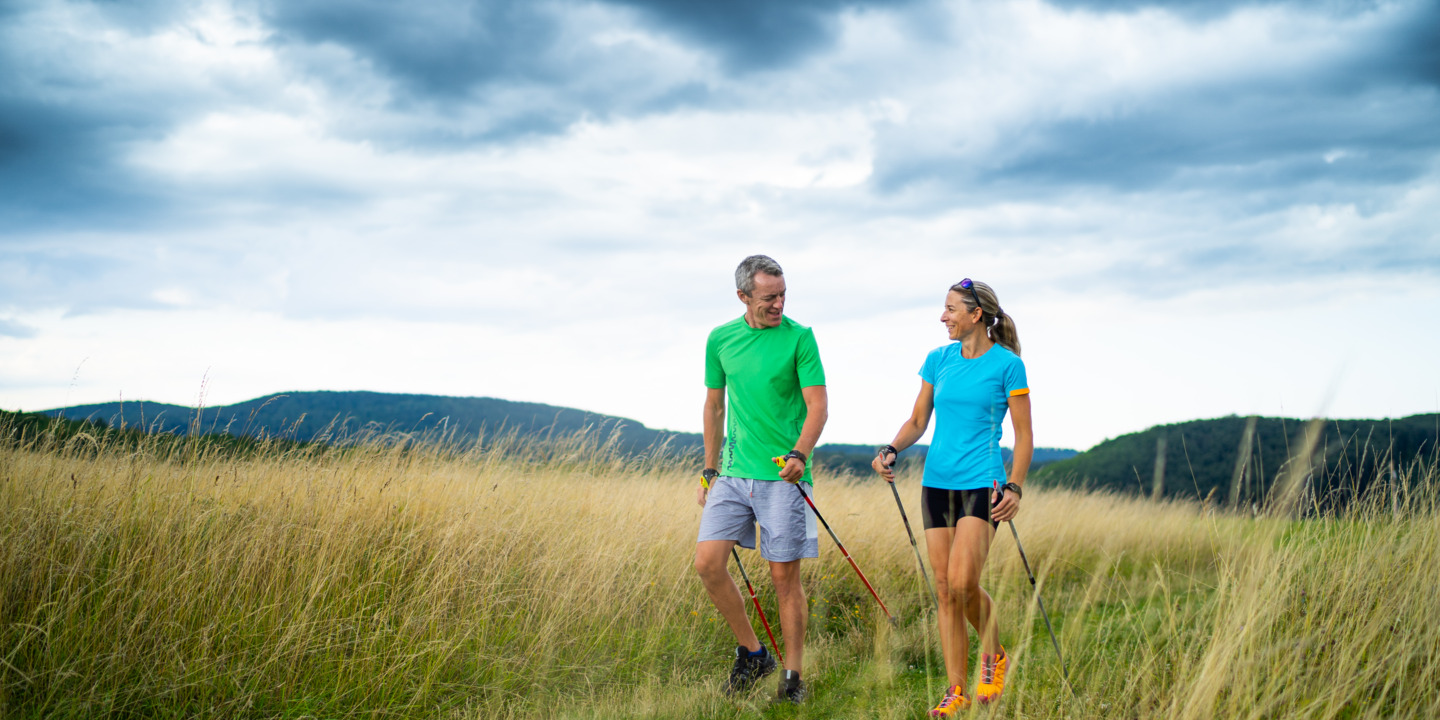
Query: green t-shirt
x: 762, y: 372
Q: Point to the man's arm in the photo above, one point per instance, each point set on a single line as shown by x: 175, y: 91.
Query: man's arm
x: 714, y: 426
x: 817, y: 411
x: 714, y: 433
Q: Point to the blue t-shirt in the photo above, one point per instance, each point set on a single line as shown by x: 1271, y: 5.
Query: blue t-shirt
x: 972, y: 397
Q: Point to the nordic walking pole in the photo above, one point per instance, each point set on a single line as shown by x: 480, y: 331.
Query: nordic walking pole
x: 756, y: 600
x: 1064, y: 672
x: 705, y: 482
x: 918, y: 560
x: 843, y: 551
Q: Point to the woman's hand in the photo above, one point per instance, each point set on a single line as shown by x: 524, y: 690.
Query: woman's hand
x: 1007, y: 508
x: 884, y: 464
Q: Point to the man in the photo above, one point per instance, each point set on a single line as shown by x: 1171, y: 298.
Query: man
x: 770, y: 366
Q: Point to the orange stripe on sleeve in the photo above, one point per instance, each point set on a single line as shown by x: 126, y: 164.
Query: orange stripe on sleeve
x: 1019, y: 391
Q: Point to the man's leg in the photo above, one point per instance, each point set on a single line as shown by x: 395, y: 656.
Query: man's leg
x: 711, y: 560
x: 788, y: 533
x: 794, y: 612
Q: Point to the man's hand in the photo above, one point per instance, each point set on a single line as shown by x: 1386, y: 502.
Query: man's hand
x: 792, y: 468
x: 707, y: 478
x: 792, y: 472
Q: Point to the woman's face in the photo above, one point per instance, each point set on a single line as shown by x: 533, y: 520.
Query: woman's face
x: 959, y: 321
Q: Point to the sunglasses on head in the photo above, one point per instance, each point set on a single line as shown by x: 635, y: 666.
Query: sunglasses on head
x: 968, y: 285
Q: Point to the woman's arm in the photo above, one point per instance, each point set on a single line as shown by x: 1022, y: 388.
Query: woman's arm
x: 910, y: 431
x: 1009, y: 503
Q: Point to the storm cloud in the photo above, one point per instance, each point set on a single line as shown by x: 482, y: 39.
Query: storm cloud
x: 514, y: 171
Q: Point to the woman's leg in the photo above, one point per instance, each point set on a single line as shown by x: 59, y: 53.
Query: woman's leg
x: 954, y: 636
x: 968, y: 553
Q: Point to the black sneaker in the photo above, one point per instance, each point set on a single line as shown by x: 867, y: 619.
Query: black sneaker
x: 792, y: 690
x: 749, y: 668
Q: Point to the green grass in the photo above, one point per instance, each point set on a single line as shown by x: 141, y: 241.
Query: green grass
x: 153, y: 579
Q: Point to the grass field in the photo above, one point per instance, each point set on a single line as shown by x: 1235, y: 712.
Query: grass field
x: 555, y: 580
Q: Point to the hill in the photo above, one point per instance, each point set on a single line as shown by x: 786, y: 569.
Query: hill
x: 337, y: 416
x: 1214, y: 459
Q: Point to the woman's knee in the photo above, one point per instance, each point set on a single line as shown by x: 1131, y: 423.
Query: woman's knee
x: 944, y: 591
x: 960, y: 589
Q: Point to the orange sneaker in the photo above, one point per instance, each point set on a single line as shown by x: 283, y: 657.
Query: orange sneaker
x: 992, y: 676
x: 951, y: 705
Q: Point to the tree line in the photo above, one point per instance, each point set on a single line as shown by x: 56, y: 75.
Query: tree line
x: 1237, y: 460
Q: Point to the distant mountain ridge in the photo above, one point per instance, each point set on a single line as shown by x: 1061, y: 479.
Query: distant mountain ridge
x: 337, y: 415
x: 1199, y: 459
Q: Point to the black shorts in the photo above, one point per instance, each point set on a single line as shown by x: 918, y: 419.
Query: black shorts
x: 943, y: 508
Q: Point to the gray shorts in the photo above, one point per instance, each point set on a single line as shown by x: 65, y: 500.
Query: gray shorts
x: 734, y: 505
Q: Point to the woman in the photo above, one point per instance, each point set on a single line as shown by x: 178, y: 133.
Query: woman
x: 969, y: 384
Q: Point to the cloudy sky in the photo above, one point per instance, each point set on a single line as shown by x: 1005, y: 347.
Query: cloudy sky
x: 1191, y: 208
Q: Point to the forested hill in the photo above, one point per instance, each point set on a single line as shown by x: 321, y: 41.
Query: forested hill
x: 338, y: 416
x: 1202, y: 457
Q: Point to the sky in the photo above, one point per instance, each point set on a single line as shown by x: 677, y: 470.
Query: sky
x: 1191, y: 209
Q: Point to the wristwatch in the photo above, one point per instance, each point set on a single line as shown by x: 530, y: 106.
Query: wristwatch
x: 884, y: 450
x: 797, y: 455
x: 707, y: 476
x: 1012, y: 487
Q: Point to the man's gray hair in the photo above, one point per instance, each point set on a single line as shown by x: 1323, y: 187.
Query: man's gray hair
x: 745, y: 274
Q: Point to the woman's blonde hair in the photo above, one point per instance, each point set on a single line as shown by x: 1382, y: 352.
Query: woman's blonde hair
x: 998, y: 323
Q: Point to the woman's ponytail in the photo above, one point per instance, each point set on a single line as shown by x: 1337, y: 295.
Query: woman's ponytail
x: 1003, y: 332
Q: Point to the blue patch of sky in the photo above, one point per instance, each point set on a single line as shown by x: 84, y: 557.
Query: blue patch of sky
x: 14, y: 329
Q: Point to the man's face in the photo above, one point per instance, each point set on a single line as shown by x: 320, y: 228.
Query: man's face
x: 766, y: 306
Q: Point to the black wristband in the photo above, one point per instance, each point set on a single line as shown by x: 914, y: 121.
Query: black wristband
x: 798, y: 456
x: 1012, y: 487
x: 889, y: 449
x: 709, y: 474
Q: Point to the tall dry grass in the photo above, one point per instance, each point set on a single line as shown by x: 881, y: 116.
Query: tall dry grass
x: 554, y: 579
